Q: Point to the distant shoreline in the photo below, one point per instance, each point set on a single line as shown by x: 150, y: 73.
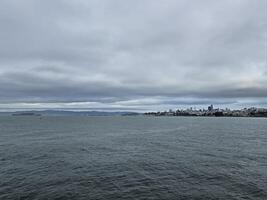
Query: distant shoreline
x: 187, y: 116
x: 245, y: 112
x: 67, y: 113
x: 210, y: 112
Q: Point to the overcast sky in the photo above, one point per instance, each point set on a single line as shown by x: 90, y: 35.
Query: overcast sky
x: 132, y: 54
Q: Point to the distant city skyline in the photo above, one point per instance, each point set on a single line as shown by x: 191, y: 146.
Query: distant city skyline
x: 141, y: 55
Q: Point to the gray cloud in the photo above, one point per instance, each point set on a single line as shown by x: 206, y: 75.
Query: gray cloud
x: 115, y: 52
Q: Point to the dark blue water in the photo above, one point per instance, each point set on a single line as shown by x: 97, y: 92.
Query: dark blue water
x: 133, y: 158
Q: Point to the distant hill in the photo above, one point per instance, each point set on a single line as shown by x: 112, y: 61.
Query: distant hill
x: 67, y: 113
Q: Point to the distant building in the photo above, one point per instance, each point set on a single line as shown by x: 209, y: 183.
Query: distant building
x: 210, y: 108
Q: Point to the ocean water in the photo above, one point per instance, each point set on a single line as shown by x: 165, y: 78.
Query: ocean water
x: 133, y: 158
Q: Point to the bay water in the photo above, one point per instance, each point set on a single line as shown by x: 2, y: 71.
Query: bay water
x: 133, y: 158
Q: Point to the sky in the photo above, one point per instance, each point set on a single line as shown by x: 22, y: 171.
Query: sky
x: 139, y: 55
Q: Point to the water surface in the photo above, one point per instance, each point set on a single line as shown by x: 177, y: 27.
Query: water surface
x: 133, y: 158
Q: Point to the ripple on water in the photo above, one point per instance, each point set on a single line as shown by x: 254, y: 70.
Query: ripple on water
x: 133, y: 158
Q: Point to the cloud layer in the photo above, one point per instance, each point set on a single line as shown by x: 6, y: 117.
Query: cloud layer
x: 141, y: 54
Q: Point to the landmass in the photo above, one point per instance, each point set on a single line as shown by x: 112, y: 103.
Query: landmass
x: 210, y: 111
x: 67, y: 113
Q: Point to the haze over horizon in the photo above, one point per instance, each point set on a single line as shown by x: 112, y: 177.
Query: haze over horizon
x: 132, y: 55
